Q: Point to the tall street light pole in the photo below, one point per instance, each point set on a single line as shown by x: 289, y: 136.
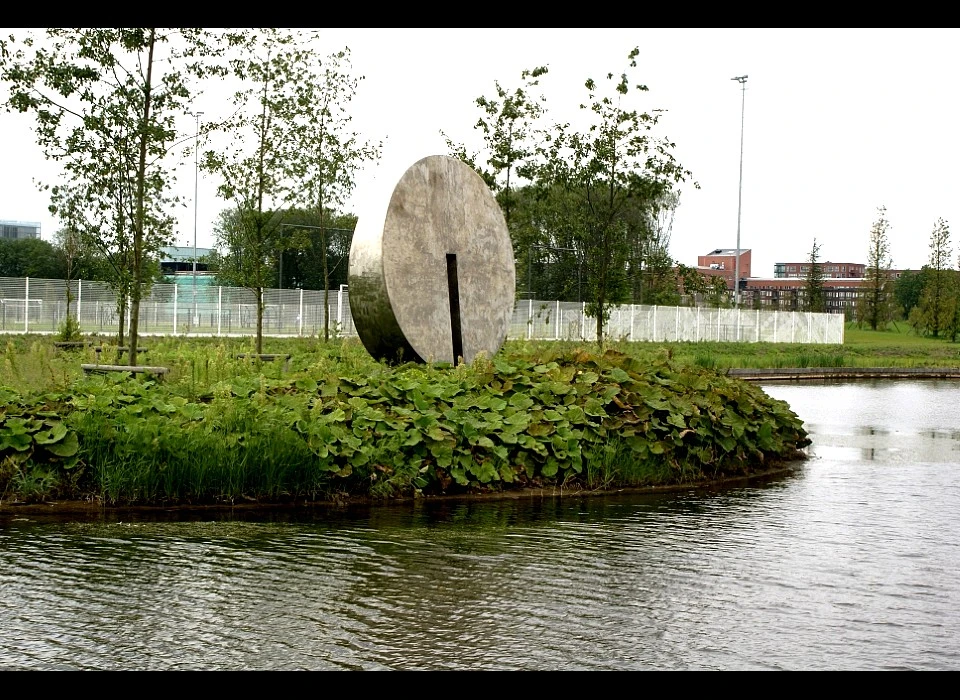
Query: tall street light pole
x: 742, y: 79
x: 196, y: 185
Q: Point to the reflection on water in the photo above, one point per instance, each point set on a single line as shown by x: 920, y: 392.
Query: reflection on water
x: 847, y: 562
x: 903, y: 422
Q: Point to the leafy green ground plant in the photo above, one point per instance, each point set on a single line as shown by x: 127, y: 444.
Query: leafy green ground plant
x: 337, y: 423
x: 546, y: 418
x: 39, y: 454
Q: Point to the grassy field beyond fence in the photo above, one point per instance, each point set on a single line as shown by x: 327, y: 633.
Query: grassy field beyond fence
x: 897, y: 347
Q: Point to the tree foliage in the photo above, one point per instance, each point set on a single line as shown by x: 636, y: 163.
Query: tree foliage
x: 650, y: 266
x: 815, y: 298
x: 609, y: 170
x: 589, y: 211
x: 329, y: 152
x: 935, y: 312
x: 719, y: 295
x: 30, y: 257
x: 315, y: 256
x: 105, y: 103
x: 41, y: 259
x: 908, y: 288
x: 690, y: 285
x: 545, y: 239
x: 876, y: 303
x: 297, y: 260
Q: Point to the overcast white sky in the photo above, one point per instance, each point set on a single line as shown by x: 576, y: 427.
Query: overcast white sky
x: 837, y: 123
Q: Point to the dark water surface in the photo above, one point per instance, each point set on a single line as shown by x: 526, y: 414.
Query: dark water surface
x: 849, y: 562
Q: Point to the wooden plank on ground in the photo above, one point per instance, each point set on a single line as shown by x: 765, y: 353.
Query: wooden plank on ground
x: 134, y: 369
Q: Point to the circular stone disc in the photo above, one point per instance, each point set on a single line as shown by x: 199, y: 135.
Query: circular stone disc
x: 434, y: 275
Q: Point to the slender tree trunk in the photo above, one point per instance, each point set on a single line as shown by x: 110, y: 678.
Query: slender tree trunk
x: 261, y: 186
x: 259, y: 320
x: 69, y: 296
x: 140, y: 224
x: 122, y: 314
x: 600, y: 309
x: 326, y: 285
x: 603, y: 282
x: 134, y: 318
x: 68, y: 326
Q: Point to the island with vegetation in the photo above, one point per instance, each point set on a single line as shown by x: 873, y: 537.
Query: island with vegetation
x: 337, y: 425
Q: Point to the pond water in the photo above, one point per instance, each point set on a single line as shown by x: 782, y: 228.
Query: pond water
x: 850, y: 561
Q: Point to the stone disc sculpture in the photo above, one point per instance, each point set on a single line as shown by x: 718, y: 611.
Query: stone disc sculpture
x: 432, y: 275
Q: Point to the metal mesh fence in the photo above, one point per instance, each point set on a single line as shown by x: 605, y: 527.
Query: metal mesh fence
x: 40, y: 306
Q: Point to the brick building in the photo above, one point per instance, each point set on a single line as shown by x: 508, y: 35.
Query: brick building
x: 830, y: 269
x: 722, y: 262
x: 785, y: 290
x: 787, y: 293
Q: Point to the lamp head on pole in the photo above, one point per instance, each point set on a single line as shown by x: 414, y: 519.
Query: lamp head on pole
x: 740, y: 79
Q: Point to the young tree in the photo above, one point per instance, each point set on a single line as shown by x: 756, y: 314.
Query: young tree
x: 614, y: 166
x: 510, y: 134
x: 258, y: 171
x: 815, y: 295
x: 662, y: 279
x: 98, y: 91
x: 510, y: 127
x: 70, y: 245
x: 96, y: 215
x: 935, y: 311
x: 693, y: 285
x: 876, y: 304
x: 329, y: 153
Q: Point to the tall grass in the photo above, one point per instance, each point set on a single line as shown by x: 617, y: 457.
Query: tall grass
x: 238, y: 453
x: 617, y: 465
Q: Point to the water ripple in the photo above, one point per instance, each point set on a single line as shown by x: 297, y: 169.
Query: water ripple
x: 848, y: 563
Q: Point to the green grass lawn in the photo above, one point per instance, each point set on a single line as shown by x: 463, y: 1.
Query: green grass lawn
x: 897, y: 347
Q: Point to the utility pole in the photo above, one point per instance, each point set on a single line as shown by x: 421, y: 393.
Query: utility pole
x: 742, y: 79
